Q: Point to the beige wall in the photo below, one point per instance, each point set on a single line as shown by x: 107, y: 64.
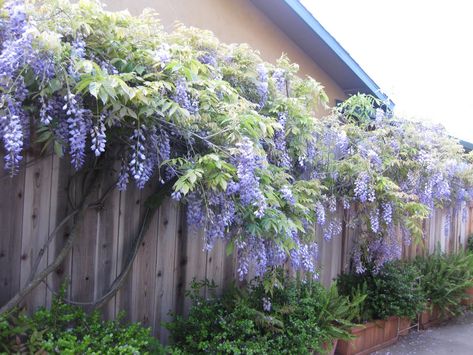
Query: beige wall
x: 234, y: 21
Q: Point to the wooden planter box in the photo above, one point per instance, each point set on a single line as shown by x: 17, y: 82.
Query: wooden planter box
x: 404, y: 326
x: 334, y: 346
x: 468, y: 300
x: 370, y: 337
x: 430, y: 318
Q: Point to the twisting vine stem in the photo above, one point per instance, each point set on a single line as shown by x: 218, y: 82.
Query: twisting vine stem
x: 36, y: 278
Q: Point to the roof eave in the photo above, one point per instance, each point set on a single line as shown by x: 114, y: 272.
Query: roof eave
x: 333, y: 48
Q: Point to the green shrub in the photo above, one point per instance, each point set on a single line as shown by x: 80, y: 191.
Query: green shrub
x: 67, y: 329
x: 312, y: 315
x: 299, y: 317
x: 445, y: 279
x: 220, y: 325
x: 393, y: 291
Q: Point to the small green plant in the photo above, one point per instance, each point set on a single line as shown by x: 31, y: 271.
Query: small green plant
x: 445, y: 279
x: 393, y: 291
x: 67, y: 329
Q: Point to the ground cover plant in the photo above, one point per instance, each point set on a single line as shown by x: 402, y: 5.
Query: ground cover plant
x: 234, y: 138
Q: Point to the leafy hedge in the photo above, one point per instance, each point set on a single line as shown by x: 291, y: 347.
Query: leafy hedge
x: 298, y: 317
x: 395, y: 290
x: 66, y: 329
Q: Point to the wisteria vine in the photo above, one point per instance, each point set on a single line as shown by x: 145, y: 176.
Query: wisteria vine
x: 238, y: 135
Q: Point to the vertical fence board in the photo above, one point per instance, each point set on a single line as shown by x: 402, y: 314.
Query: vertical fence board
x: 215, y: 265
x: 11, y: 215
x: 60, y: 208
x: 144, y: 269
x: 166, y: 276
x: 107, y: 243
x: 129, y: 224
x: 84, y: 253
x: 193, y: 261
x: 35, y: 231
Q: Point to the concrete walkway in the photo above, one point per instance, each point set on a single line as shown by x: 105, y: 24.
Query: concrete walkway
x: 453, y: 337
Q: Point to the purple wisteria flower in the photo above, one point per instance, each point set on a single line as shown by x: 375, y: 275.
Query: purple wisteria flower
x: 79, y: 122
x: 183, y: 98
x: 123, y: 176
x: 163, y: 54
x: 374, y: 220
x: 137, y: 164
x: 387, y: 213
x: 320, y: 213
x: 357, y: 260
x: 266, y: 304
x: 195, y: 210
x: 220, y: 216
x: 279, y: 77
x: 282, y: 157
x: 346, y: 203
x: 13, y: 140
x: 332, y: 203
x: 384, y: 249
x: 287, y: 195
x: 364, y: 190
x: 332, y: 229
x: 208, y: 58
x: 247, y: 163
x: 97, y: 134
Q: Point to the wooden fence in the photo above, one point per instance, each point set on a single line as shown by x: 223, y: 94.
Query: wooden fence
x: 169, y: 257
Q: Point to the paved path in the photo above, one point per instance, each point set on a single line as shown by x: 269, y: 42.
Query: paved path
x: 453, y: 337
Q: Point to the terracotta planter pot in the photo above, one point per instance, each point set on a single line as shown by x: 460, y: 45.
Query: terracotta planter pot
x: 430, y: 318
x: 468, y: 300
x: 370, y: 337
x: 404, y: 326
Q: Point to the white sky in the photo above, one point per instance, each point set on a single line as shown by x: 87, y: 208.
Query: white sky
x: 419, y: 52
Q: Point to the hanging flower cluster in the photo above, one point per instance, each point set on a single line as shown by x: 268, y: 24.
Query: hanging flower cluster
x: 236, y: 136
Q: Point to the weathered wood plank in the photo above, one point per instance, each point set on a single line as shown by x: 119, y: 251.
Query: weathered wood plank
x: 215, y: 265
x: 35, y: 225
x: 129, y: 221
x: 84, y: 253
x: 144, y: 269
x: 60, y: 208
x: 107, y: 243
x: 166, y: 291
x: 192, y: 262
x: 11, y: 216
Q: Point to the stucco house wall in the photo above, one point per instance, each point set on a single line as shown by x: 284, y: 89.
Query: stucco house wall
x: 234, y: 21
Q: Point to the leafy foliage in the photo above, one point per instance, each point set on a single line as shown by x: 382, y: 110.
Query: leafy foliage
x: 66, y: 329
x: 393, y: 291
x: 298, y: 318
x: 445, y: 279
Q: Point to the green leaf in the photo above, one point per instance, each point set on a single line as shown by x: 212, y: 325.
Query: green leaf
x: 94, y: 88
x: 58, y: 149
